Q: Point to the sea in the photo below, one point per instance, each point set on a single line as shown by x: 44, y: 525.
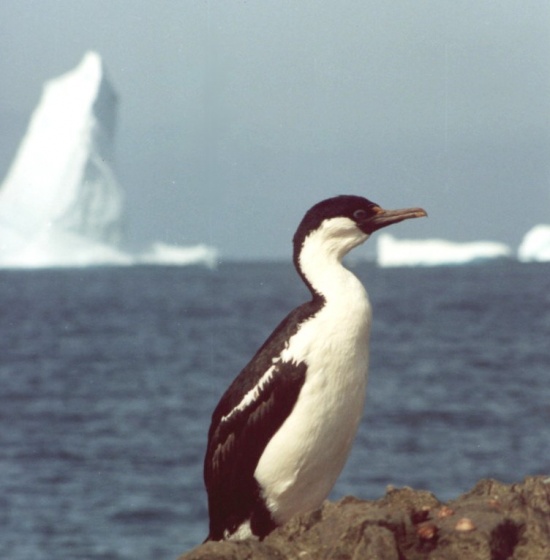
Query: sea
x: 108, y: 378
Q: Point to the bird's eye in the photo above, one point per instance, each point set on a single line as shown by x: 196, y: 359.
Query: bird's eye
x: 360, y: 214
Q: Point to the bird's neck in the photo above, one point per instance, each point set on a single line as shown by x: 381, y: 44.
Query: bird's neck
x: 320, y: 266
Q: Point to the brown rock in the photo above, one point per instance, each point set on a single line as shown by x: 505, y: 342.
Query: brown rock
x: 445, y: 511
x: 505, y: 522
x: 427, y: 531
x: 465, y: 524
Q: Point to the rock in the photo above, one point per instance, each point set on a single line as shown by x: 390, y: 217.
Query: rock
x: 494, y: 521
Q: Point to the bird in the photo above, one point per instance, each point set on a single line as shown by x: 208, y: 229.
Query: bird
x: 281, y: 433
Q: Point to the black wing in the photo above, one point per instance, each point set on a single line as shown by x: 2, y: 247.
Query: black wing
x: 238, y: 436
x: 235, y: 445
x: 263, y: 359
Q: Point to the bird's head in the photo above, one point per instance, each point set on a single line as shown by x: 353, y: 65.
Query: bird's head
x: 336, y: 225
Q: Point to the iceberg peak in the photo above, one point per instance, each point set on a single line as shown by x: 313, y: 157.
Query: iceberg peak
x: 61, y: 190
x: 60, y: 203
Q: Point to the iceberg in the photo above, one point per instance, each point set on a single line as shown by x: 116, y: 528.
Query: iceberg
x: 535, y: 245
x: 60, y: 203
x: 177, y: 255
x: 435, y: 252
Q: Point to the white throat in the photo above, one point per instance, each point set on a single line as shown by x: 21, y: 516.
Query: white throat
x: 321, y: 255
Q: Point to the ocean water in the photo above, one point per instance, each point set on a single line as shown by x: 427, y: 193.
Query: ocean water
x: 108, y: 378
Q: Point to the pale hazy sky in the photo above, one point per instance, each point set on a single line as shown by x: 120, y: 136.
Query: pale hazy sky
x: 236, y: 116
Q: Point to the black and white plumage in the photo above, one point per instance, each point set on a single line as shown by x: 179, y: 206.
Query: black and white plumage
x: 282, y: 431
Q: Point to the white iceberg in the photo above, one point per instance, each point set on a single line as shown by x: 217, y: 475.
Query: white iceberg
x: 177, y: 255
x: 435, y: 252
x: 56, y: 248
x: 535, y: 245
x: 60, y: 203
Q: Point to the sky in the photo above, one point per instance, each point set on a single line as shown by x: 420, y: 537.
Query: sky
x: 236, y: 116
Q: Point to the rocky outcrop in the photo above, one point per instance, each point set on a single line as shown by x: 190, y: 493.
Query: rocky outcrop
x: 494, y: 521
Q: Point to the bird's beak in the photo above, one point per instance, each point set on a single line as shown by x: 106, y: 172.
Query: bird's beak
x: 383, y: 218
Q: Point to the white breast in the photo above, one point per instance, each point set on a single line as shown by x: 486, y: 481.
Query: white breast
x: 303, y: 460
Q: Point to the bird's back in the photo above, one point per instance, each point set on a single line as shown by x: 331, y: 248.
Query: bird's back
x: 248, y: 414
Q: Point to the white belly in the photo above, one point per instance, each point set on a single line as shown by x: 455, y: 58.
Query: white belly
x: 303, y: 460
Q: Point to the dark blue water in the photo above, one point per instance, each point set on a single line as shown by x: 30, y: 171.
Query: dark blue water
x: 108, y: 378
